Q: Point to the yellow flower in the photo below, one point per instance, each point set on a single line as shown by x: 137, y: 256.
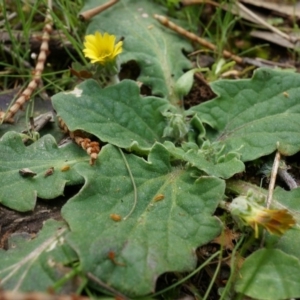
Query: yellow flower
x: 101, y: 48
x: 247, y: 209
x: 276, y: 221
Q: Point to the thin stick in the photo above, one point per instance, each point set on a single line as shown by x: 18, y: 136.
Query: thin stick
x: 133, y: 184
x: 88, y: 14
x: 286, y: 177
x: 194, y: 2
x: 247, y: 12
x: 271, y: 188
x: 37, y: 74
x: 273, y: 178
x: 105, y: 286
x: 264, y: 23
x: 193, y: 37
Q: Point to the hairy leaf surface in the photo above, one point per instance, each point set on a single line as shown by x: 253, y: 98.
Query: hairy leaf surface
x: 224, y: 166
x: 116, y: 114
x: 171, y: 218
x: 35, y: 265
x: 20, y: 192
x: 252, y: 115
x: 270, y: 274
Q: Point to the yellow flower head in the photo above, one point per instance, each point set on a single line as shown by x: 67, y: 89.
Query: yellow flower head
x: 101, y: 48
x: 276, y: 221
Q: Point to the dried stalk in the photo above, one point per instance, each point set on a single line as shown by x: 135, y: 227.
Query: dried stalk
x: 79, y: 137
x: 88, y: 14
x: 273, y: 178
x: 265, y: 24
x: 287, y: 178
x: 193, y: 37
x: 194, y: 2
x: 37, y: 72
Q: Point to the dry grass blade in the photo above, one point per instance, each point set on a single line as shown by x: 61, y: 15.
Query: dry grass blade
x: 265, y: 24
x: 273, y: 178
x: 194, y: 2
x: 37, y: 73
x: 88, y: 14
x: 193, y: 37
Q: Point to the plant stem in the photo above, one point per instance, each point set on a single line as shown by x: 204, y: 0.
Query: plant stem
x: 114, y: 79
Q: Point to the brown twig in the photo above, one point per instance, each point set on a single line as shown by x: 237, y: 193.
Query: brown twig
x: 79, y: 137
x: 265, y: 24
x: 195, y: 2
x: 286, y: 177
x: 273, y: 178
x: 193, y: 37
x: 88, y: 14
x: 37, y: 73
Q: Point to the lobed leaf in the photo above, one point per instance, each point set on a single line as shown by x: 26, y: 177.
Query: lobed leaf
x: 116, y: 114
x: 35, y: 265
x: 20, y: 193
x: 226, y: 167
x: 252, y: 116
x: 171, y: 218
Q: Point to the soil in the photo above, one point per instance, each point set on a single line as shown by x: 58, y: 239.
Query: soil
x: 28, y: 224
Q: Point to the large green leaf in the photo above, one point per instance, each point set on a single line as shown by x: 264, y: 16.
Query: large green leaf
x: 116, y: 114
x: 253, y: 115
x: 19, y: 192
x: 171, y: 218
x: 157, y: 50
x: 269, y: 274
x: 35, y: 265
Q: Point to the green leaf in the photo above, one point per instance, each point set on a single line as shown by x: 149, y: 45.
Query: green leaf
x: 288, y: 200
x: 20, y: 193
x: 156, y: 49
x: 269, y: 274
x: 225, y: 167
x: 281, y: 199
x: 171, y: 218
x: 116, y: 114
x: 35, y: 265
x: 251, y: 116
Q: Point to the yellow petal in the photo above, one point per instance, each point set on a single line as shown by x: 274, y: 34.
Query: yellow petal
x: 101, y: 48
